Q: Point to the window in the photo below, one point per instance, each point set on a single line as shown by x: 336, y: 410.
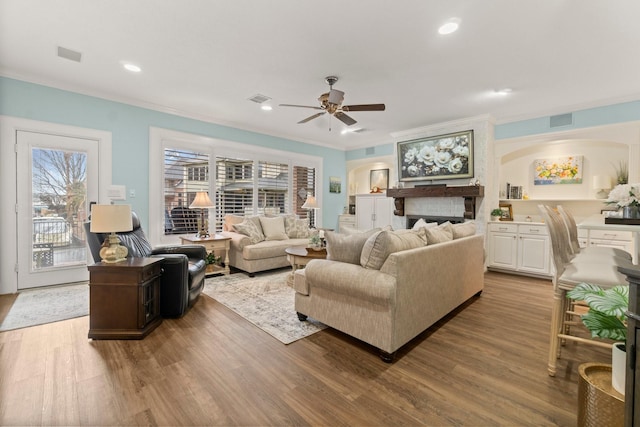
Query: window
x: 234, y: 188
x: 304, y: 179
x: 185, y: 173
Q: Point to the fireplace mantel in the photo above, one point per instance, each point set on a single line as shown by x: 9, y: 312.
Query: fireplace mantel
x: 469, y: 192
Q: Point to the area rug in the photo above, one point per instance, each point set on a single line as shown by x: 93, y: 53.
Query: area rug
x: 40, y: 306
x: 265, y: 300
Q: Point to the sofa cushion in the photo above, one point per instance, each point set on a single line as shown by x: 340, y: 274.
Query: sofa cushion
x: 248, y: 228
x: 269, y: 249
x: 296, y: 228
x: 463, y: 229
x: 273, y: 228
x: 421, y: 223
x: 379, y: 246
x: 346, y: 248
x: 230, y: 221
x: 439, y: 234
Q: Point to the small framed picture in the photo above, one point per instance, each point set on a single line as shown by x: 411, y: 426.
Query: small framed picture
x: 378, y: 180
x: 507, y: 212
x: 335, y: 184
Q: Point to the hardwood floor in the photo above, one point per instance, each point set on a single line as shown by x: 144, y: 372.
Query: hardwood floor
x: 483, y: 365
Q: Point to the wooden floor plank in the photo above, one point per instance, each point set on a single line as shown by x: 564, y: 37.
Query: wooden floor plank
x: 485, y: 364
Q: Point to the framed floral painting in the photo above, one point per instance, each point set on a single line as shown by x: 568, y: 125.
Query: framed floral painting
x: 447, y: 156
x: 560, y: 170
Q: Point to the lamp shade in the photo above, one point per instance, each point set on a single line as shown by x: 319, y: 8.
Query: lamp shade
x: 310, y: 203
x: 201, y: 201
x: 111, y: 218
x: 602, y: 182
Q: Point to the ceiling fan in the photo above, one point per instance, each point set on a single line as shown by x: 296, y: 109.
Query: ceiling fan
x: 331, y: 102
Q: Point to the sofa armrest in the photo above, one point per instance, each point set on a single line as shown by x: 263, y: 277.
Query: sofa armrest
x: 238, y: 241
x: 191, y: 251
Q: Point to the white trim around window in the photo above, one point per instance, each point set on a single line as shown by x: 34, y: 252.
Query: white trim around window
x: 160, y: 138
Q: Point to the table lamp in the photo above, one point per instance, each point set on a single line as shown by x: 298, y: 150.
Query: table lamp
x: 310, y: 204
x: 202, y: 202
x: 602, y: 183
x: 111, y: 219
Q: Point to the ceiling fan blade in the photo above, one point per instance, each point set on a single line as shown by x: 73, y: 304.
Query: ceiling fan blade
x: 301, y: 106
x: 364, y: 107
x: 310, y: 118
x: 344, y: 118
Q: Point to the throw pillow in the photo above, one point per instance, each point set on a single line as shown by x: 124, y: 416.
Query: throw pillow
x: 346, y: 248
x: 421, y: 223
x: 464, y: 229
x: 230, y: 221
x: 273, y: 228
x: 439, y: 234
x: 296, y: 228
x: 248, y: 228
x: 379, y: 246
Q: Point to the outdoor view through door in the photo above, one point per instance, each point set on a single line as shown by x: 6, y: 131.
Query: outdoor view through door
x: 240, y: 186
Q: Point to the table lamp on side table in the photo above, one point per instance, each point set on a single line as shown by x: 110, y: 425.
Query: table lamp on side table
x: 111, y: 219
x: 202, y: 202
x: 310, y: 204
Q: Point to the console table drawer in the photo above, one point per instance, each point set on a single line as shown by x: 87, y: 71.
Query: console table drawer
x: 503, y: 227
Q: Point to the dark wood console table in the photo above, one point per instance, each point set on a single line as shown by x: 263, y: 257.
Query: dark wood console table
x: 124, y: 298
x: 469, y: 192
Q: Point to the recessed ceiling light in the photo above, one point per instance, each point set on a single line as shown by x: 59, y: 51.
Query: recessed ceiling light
x: 267, y: 107
x: 451, y: 26
x: 350, y: 130
x: 504, y: 91
x: 131, y: 67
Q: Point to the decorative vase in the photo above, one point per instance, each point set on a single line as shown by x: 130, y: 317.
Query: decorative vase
x: 618, y: 366
x: 495, y: 218
x: 630, y: 212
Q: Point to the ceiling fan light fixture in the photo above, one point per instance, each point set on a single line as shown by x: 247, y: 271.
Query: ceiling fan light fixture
x: 451, y: 26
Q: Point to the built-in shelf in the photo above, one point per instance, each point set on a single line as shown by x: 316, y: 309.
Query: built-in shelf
x: 469, y: 192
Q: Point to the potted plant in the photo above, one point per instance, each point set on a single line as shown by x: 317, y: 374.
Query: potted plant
x: 606, y: 319
x: 212, y: 260
x: 496, y: 214
x: 315, y: 242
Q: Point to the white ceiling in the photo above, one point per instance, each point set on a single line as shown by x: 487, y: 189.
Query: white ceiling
x: 205, y: 58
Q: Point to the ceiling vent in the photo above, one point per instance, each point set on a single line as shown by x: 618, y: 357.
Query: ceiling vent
x: 561, y: 120
x: 259, y: 99
x: 69, y: 54
x: 369, y: 151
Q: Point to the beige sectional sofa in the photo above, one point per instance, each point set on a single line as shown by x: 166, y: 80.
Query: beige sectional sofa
x: 394, y: 292
x: 258, y: 243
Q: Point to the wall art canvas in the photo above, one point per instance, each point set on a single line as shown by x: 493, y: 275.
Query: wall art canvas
x: 447, y: 156
x: 334, y: 184
x: 560, y: 170
x: 379, y: 178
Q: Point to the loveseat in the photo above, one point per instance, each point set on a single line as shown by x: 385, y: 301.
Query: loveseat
x: 396, y: 288
x: 258, y: 243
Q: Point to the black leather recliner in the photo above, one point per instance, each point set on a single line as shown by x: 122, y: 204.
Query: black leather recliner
x: 183, y: 266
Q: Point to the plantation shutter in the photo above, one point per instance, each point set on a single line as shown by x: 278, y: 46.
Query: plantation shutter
x: 304, y: 179
x: 185, y: 173
x: 234, y: 188
x: 273, y: 188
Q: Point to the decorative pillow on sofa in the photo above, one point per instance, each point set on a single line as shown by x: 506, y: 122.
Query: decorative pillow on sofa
x: 439, y: 234
x: 346, y: 248
x: 273, y: 228
x: 230, y: 221
x: 421, y: 223
x: 249, y: 228
x: 296, y: 228
x: 379, y: 246
x: 464, y: 229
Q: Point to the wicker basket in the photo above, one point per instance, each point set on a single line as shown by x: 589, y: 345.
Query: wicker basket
x: 599, y: 404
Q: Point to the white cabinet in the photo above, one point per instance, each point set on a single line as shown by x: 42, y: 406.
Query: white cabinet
x: 373, y: 210
x: 522, y: 248
x: 613, y: 239
x: 346, y: 220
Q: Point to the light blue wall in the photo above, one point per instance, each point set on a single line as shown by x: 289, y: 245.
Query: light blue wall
x: 129, y: 126
x: 598, y: 116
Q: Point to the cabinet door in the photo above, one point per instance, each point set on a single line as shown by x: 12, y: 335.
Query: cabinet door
x: 533, y: 253
x: 365, y: 210
x: 502, y: 250
x: 383, y: 211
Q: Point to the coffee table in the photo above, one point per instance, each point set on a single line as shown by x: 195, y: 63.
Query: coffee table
x: 299, y: 257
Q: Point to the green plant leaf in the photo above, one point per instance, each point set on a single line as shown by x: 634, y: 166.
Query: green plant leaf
x: 612, y: 302
x: 604, y: 326
x: 581, y: 291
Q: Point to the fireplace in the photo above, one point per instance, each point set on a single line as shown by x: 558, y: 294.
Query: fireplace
x: 412, y: 219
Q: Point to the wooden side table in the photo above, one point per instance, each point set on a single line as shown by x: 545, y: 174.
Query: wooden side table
x: 299, y: 257
x: 124, y: 298
x: 214, y: 243
x: 599, y: 404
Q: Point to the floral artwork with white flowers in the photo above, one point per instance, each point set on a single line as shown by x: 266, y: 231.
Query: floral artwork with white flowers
x: 562, y: 170
x: 441, y: 157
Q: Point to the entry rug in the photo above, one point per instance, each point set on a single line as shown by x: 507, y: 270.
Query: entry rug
x: 265, y: 300
x: 40, y: 306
